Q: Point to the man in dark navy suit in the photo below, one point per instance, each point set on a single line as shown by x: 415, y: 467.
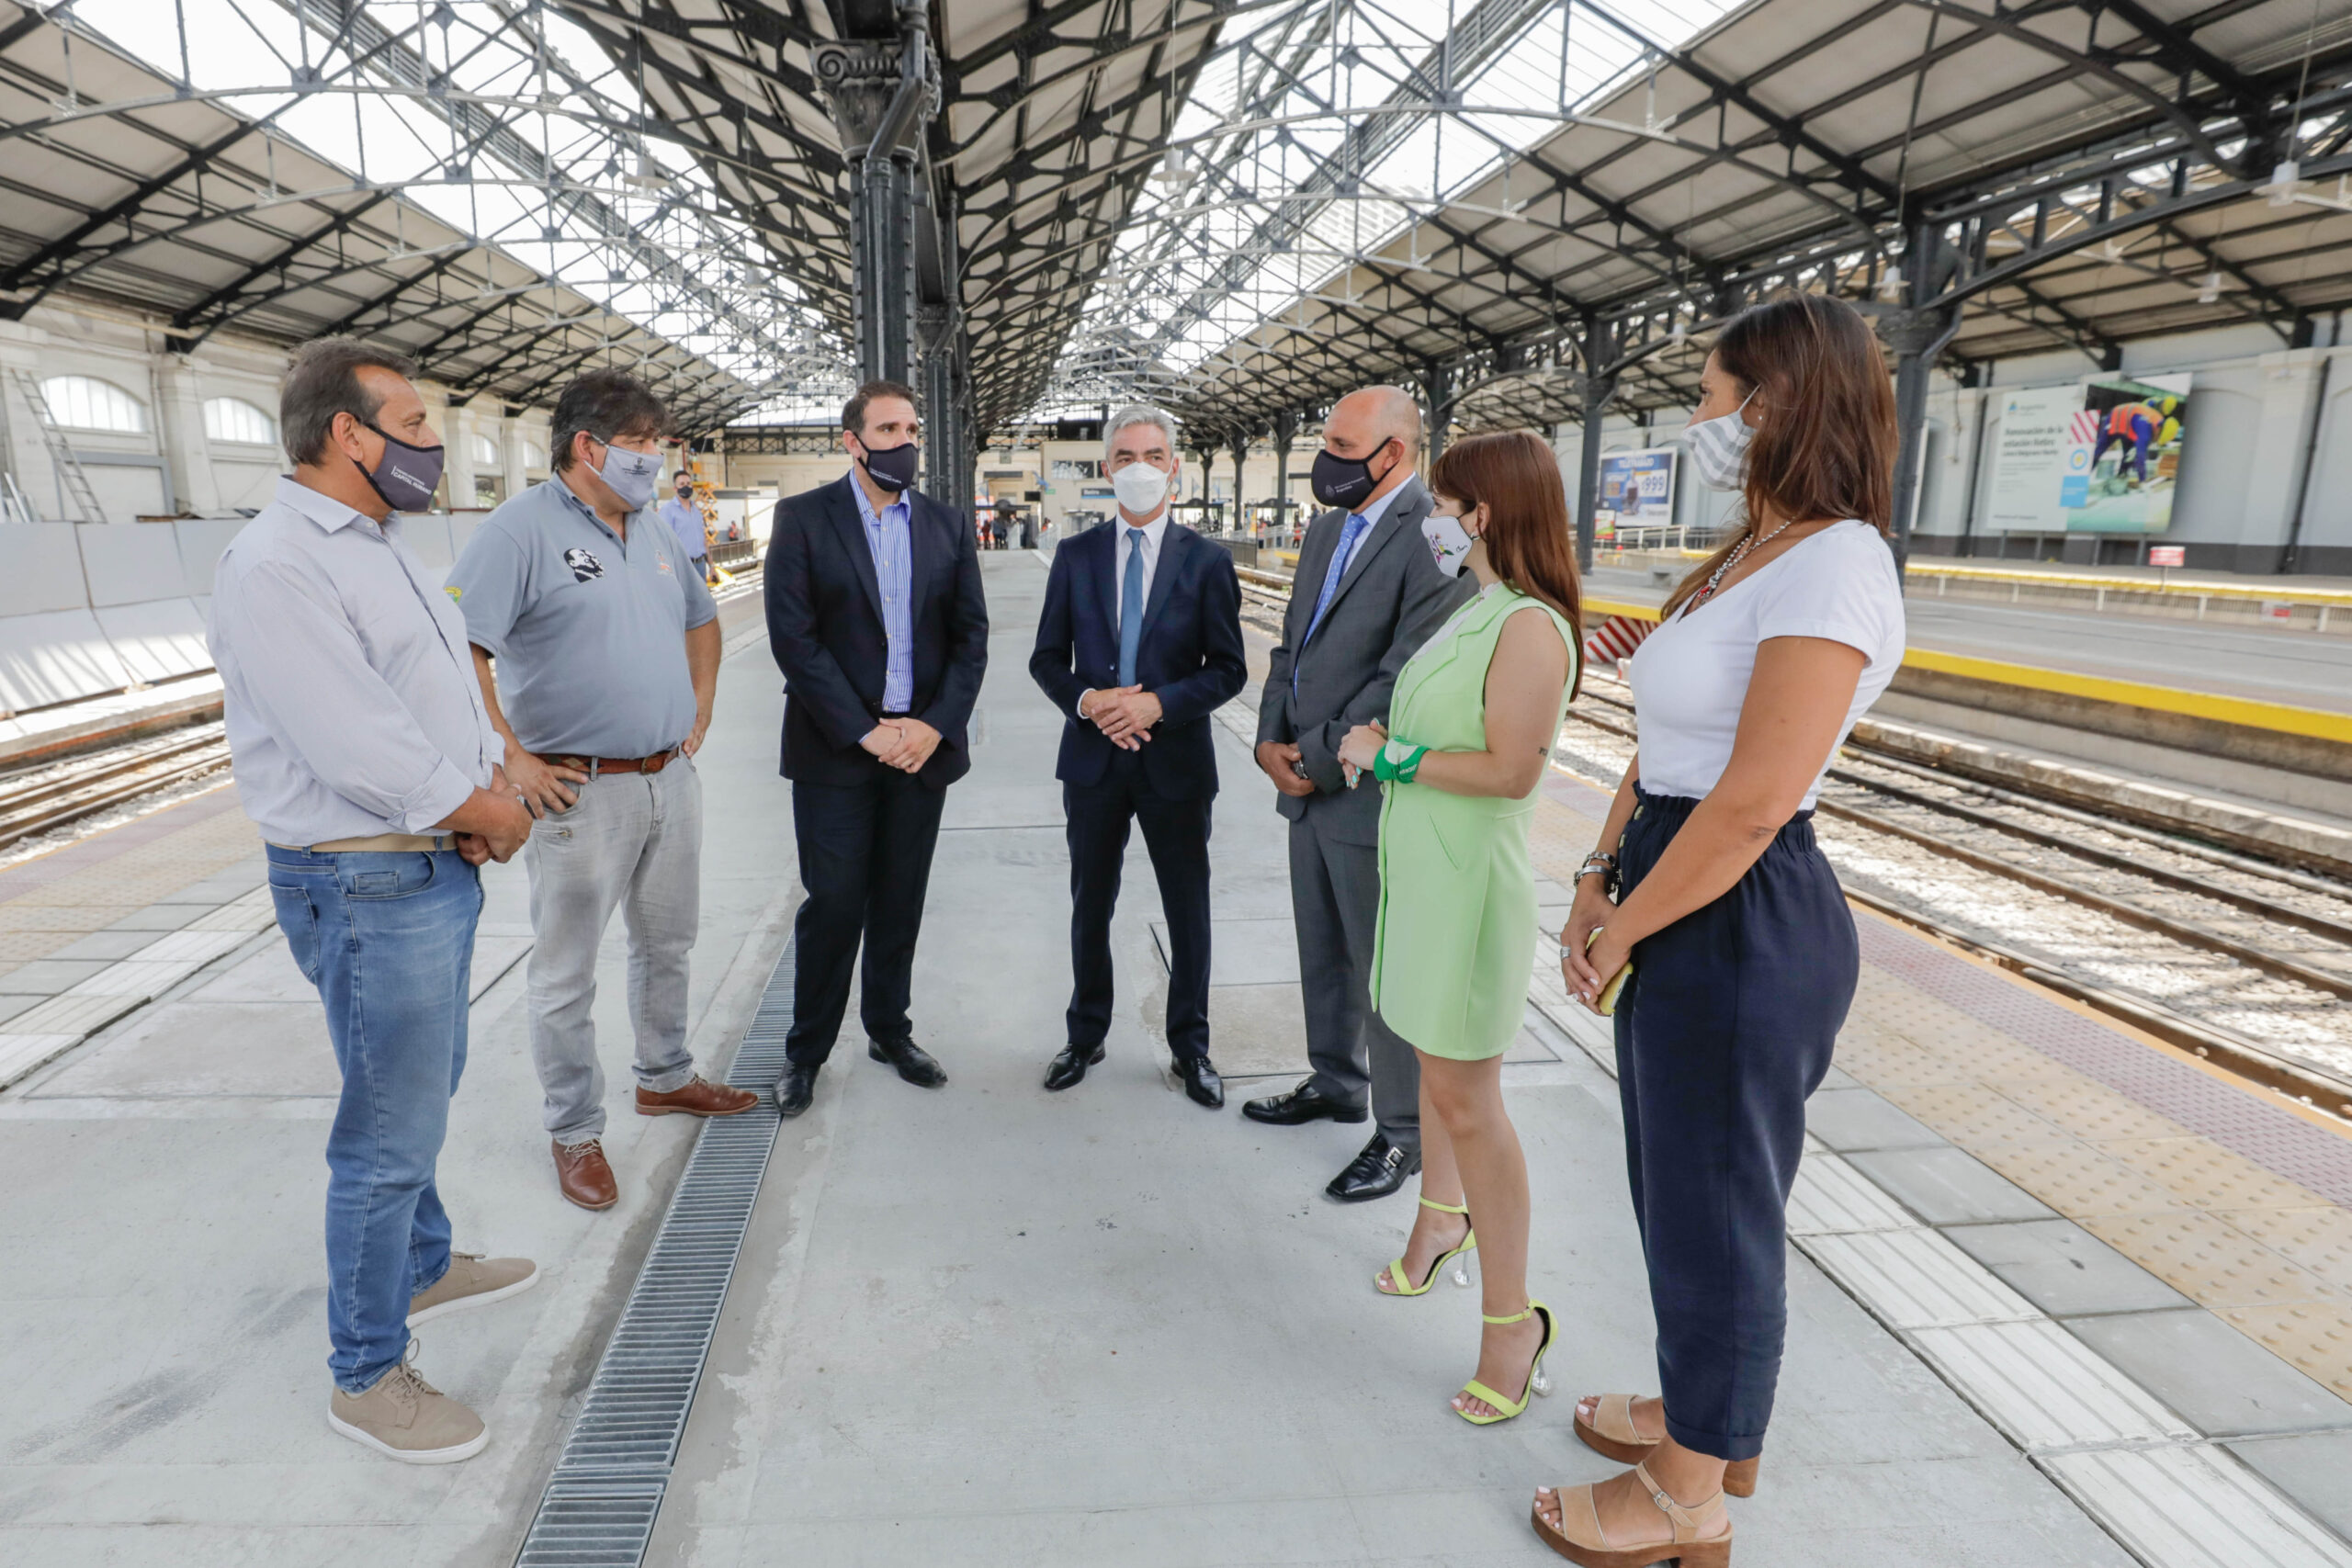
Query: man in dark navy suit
x: 876, y: 618
x: 1140, y: 643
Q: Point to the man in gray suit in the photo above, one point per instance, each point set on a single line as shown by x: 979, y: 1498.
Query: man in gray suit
x: 1366, y: 595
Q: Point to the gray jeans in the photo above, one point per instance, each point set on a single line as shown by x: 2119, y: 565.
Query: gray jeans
x: 634, y: 840
x: 1335, y: 901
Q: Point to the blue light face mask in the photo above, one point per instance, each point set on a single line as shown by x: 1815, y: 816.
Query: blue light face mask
x: 630, y: 475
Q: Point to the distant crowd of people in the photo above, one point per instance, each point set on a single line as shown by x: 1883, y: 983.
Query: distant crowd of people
x: 392, y: 734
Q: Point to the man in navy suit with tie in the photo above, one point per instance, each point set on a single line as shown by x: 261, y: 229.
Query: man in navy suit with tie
x: 1140, y: 642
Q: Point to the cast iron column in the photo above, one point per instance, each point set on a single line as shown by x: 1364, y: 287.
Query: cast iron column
x: 881, y: 93
x: 1598, y: 390
x: 1285, y: 432
x: 1437, y: 380
x: 1917, y: 335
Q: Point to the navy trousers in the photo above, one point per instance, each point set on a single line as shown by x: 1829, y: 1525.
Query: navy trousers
x: 1176, y: 831
x: 1726, y: 1028
x: 865, y: 860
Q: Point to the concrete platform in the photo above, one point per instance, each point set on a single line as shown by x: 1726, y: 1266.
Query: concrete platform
x: 988, y: 1325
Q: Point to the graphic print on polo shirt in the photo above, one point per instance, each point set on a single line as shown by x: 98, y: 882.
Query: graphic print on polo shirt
x: 583, y: 564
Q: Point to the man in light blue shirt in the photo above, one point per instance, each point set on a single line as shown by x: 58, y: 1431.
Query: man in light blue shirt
x: 684, y: 520
x: 886, y: 536
x: 364, y: 754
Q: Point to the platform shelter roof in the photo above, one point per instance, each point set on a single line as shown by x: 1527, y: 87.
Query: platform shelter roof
x: 195, y: 209
x: 1556, y: 189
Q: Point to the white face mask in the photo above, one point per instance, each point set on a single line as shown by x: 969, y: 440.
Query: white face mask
x: 630, y: 475
x: 1140, y: 488
x: 1718, y: 447
x: 1449, y: 541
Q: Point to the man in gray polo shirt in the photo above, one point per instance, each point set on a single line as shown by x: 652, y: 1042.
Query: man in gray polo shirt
x: 605, y: 642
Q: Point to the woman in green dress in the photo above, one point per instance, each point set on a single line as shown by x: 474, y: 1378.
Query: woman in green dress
x: 1470, y: 728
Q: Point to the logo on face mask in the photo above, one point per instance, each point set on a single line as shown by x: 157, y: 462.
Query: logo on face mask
x: 893, y: 467
x: 582, y: 563
x: 1448, y: 540
x: 1342, y: 482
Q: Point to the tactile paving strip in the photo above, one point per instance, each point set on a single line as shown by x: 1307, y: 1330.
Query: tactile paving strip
x: 2271, y: 1137
x: 2194, y: 1507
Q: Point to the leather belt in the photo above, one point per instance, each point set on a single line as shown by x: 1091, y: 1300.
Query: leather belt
x: 593, y: 766
x: 377, y: 843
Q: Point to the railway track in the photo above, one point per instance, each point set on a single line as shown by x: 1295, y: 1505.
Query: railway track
x: 53, y: 795
x: 2245, y: 962
x: 2209, y: 945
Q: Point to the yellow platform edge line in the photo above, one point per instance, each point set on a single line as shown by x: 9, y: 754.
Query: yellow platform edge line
x: 2282, y: 717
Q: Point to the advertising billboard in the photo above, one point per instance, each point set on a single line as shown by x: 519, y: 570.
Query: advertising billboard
x: 2101, y: 457
x: 1637, y: 488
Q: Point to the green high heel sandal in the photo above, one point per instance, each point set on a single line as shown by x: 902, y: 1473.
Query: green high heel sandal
x: 1537, y: 1384
x: 1461, y: 1275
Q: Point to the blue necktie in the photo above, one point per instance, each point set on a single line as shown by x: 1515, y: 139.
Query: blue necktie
x: 1357, y: 523
x: 1131, y: 608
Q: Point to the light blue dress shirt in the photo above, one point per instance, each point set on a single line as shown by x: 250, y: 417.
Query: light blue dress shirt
x: 893, y: 573
x: 347, y: 687
x: 685, y: 522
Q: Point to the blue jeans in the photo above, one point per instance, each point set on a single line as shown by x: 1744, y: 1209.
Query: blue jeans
x: 389, y: 940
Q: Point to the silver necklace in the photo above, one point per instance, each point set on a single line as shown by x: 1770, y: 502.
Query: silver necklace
x: 1739, y: 553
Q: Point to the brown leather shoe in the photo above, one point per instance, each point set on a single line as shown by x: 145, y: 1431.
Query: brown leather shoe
x: 697, y: 1097
x: 581, y: 1170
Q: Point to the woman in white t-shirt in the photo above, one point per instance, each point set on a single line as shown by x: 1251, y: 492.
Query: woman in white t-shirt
x: 1741, y: 952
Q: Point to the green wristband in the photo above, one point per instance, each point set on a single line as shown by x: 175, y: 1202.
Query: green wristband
x: 1388, y: 770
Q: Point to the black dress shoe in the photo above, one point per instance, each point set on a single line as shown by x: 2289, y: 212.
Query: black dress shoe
x: 1375, y: 1173
x: 1304, y: 1103
x: 914, y: 1064
x: 796, y: 1089
x: 1201, y: 1081
x: 1069, y: 1068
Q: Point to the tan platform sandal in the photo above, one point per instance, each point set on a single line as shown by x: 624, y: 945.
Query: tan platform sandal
x: 1580, y: 1539
x: 1612, y: 1434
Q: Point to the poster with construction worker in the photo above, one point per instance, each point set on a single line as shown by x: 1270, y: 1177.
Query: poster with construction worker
x: 2122, y: 459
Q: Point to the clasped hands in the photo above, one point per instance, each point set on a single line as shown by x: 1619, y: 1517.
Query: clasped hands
x: 1587, y: 973
x: 905, y: 744
x: 1124, y: 713
x: 1359, y: 747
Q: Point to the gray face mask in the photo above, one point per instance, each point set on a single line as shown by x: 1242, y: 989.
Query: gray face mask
x: 630, y: 475
x: 1718, y: 447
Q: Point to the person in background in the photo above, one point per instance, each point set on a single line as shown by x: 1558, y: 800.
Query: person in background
x: 1368, y: 595
x: 1742, y: 950
x: 878, y: 620
x: 1459, y: 759
x: 605, y: 649
x: 684, y: 520
x: 363, y: 753
x: 1139, y: 643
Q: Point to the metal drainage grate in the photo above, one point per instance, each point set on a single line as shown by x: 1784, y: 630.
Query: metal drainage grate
x: 600, y: 1503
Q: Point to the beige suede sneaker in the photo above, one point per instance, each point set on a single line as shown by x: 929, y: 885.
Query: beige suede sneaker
x: 472, y: 1280
x: 406, y: 1418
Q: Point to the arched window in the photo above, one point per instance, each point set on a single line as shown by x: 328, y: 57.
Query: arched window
x: 234, y: 419
x: 486, y: 452
x: 535, y: 454
x: 82, y: 402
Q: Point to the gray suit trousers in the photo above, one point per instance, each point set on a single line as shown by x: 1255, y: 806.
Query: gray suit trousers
x: 1335, y: 900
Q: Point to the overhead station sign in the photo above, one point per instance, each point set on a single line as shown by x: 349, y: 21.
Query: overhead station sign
x: 2100, y: 456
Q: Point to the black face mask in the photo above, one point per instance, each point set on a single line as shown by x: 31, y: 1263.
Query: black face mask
x: 404, y: 476
x: 1343, y: 481
x: 893, y: 468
